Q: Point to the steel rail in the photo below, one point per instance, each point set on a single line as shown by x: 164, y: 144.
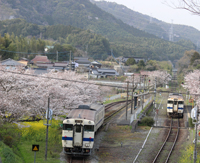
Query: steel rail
x: 175, y: 140
x: 71, y: 160
x: 159, y: 152
x: 108, y: 106
x: 177, y: 134
x: 106, y: 118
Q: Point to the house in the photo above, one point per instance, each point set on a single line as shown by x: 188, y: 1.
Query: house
x: 124, y: 59
x: 82, y: 62
x: 44, y: 65
x: 144, y: 73
x: 95, y: 64
x: 11, y: 63
x: 102, y: 73
x: 60, y: 66
x: 80, y: 58
x: 24, y: 61
x: 40, y: 59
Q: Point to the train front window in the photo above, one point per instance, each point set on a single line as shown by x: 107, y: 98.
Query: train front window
x: 68, y: 127
x: 170, y: 102
x: 89, y: 128
x: 180, y: 102
x: 78, y: 128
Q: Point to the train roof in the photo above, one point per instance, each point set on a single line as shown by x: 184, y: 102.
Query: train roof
x: 85, y: 112
x: 175, y: 95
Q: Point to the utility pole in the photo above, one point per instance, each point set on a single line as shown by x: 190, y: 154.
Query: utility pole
x: 155, y: 100
x: 142, y: 97
x: 127, y: 100
x: 155, y: 94
x: 56, y: 56
x: 132, y: 95
x: 70, y: 61
x: 195, y: 146
x: 47, y: 128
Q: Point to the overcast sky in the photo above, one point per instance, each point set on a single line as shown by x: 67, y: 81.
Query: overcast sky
x: 157, y: 9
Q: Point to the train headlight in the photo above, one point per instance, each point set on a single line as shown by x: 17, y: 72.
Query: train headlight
x: 87, y: 145
x: 67, y: 121
x: 89, y: 122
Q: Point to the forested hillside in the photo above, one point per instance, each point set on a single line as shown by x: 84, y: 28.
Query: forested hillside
x: 96, y: 32
x: 97, y: 46
x: 150, y: 25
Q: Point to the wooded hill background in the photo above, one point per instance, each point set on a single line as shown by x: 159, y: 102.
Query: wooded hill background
x: 85, y: 26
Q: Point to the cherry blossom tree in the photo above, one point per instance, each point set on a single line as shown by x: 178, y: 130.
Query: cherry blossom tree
x: 161, y: 77
x: 192, y: 84
x: 22, y: 93
x: 192, y: 6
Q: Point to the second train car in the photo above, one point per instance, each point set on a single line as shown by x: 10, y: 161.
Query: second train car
x: 175, y: 105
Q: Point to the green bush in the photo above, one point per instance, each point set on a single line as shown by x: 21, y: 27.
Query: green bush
x: 8, y: 140
x: 147, y: 121
x: 190, y: 122
x: 14, y: 134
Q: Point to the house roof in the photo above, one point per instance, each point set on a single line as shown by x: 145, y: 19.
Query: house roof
x: 39, y: 58
x: 11, y: 62
x: 44, y: 64
x: 95, y: 62
x: 134, y: 57
x: 82, y: 61
x: 61, y: 64
x: 144, y: 73
x: 104, y: 72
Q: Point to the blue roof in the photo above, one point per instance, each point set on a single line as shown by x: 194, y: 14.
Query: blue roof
x: 11, y: 62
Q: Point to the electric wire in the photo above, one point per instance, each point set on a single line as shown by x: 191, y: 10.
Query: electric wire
x: 76, y: 81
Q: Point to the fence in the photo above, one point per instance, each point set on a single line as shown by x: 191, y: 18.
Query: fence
x: 138, y: 110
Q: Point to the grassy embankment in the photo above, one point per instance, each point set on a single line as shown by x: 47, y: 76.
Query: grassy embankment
x: 17, y: 142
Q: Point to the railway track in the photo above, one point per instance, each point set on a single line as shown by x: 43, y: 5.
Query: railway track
x: 76, y: 160
x: 107, y: 119
x: 108, y: 106
x: 166, y: 149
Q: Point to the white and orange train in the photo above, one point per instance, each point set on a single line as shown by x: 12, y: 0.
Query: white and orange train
x: 79, y: 128
x: 175, y: 105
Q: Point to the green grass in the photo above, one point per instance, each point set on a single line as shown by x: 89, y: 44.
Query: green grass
x: 8, y: 155
x: 187, y: 152
x: 20, y: 140
x: 52, y: 155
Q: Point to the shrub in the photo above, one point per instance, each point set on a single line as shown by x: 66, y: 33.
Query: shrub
x: 8, y: 140
x: 190, y: 123
x: 148, y: 121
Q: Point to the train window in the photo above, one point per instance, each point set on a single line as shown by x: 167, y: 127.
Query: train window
x: 89, y: 128
x: 170, y: 102
x: 180, y: 102
x: 78, y: 128
x: 68, y: 127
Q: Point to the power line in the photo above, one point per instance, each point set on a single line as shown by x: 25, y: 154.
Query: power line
x: 62, y: 79
x: 33, y: 53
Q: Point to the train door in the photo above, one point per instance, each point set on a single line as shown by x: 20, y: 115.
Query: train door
x: 78, y: 136
x: 175, y: 106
